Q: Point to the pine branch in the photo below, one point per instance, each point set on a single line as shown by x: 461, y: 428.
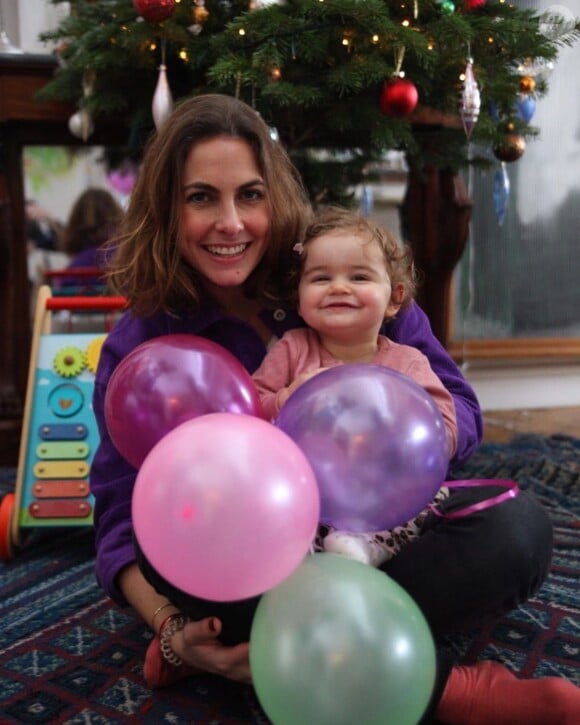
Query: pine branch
x: 314, y: 70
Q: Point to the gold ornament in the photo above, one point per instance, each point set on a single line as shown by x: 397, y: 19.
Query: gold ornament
x: 510, y: 148
x: 527, y: 84
x: 200, y: 14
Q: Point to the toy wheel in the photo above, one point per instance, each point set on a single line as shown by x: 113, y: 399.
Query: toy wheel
x: 6, y: 509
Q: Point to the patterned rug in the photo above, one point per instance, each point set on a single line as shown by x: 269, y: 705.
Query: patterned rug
x: 67, y: 655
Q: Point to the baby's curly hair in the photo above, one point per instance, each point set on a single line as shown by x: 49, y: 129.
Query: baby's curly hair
x: 398, y: 255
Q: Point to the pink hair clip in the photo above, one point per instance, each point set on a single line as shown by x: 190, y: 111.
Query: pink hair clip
x: 298, y: 248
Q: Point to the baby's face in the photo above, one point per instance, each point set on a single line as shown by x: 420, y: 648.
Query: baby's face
x: 345, y: 285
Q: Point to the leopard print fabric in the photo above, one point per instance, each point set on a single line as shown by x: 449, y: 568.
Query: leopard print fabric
x: 391, y: 540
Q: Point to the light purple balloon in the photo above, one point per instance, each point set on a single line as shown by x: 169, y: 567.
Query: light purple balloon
x: 375, y: 440
x: 168, y: 380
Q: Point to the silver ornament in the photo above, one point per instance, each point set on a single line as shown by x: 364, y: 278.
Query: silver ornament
x: 470, y: 100
x: 162, y: 99
x: 80, y: 124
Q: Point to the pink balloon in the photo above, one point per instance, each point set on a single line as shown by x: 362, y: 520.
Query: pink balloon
x: 170, y: 379
x: 225, y: 507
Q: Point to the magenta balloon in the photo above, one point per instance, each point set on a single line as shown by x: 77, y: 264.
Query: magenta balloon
x: 170, y: 379
x: 376, y: 441
x: 225, y: 507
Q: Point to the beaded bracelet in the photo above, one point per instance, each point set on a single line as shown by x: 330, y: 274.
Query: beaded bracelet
x: 172, y: 624
x: 157, y: 612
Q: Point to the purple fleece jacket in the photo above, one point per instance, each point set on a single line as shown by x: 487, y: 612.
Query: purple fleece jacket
x: 112, y: 478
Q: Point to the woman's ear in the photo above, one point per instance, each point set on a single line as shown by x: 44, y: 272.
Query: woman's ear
x: 397, y: 299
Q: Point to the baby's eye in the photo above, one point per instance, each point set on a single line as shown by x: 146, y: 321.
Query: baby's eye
x: 360, y: 278
x: 320, y: 278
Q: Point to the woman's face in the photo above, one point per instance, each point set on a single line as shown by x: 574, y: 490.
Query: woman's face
x: 225, y: 211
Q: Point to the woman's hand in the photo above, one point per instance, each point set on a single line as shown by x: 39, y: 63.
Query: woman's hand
x: 197, y: 644
x: 199, y: 647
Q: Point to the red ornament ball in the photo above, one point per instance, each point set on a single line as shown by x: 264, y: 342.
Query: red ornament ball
x: 155, y: 11
x: 473, y: 4
x: 399, y: 97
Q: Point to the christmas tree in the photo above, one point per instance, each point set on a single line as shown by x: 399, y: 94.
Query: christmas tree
x: 339, y: 81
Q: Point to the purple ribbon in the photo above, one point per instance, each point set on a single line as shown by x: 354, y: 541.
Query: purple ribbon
x: 511, y: 491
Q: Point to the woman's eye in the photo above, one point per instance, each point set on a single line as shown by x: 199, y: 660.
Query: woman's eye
x: 197, y: 197
x: 252, y: 195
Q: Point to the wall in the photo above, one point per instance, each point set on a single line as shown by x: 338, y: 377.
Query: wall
x: 525, y: 386
x: 25, y: 19
x: 54, y: 177
x: 499, y: 386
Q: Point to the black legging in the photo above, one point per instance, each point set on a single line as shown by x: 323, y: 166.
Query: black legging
x: 464, y: 572
x: 461, y: 572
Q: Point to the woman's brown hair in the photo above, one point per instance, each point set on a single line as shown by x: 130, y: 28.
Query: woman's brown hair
x: 147, y: 267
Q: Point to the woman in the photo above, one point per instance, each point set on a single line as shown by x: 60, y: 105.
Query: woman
x: 91, y: 225
x: 204, y: 247
x: 93, y: 221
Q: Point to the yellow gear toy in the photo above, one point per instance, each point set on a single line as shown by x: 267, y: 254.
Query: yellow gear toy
x: 69, y: 362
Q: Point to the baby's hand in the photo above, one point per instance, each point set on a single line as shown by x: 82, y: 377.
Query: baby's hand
x: 303, y: 377
x: 300, y: 380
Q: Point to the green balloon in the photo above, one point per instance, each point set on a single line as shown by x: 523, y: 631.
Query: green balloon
x: 340, y: 642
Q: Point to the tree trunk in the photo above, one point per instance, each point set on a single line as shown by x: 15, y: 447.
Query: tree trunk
x: 435, y: 218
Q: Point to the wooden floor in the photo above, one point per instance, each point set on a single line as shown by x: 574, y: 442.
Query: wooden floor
x: 502, y: 425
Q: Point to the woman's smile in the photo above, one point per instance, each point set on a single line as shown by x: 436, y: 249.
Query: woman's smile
x: 227, y: 251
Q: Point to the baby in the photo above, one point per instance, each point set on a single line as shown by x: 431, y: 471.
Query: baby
x: 352, y: 277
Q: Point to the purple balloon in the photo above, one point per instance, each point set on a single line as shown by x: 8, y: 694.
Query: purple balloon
x: 376, y: 442
x: 168, y: 380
